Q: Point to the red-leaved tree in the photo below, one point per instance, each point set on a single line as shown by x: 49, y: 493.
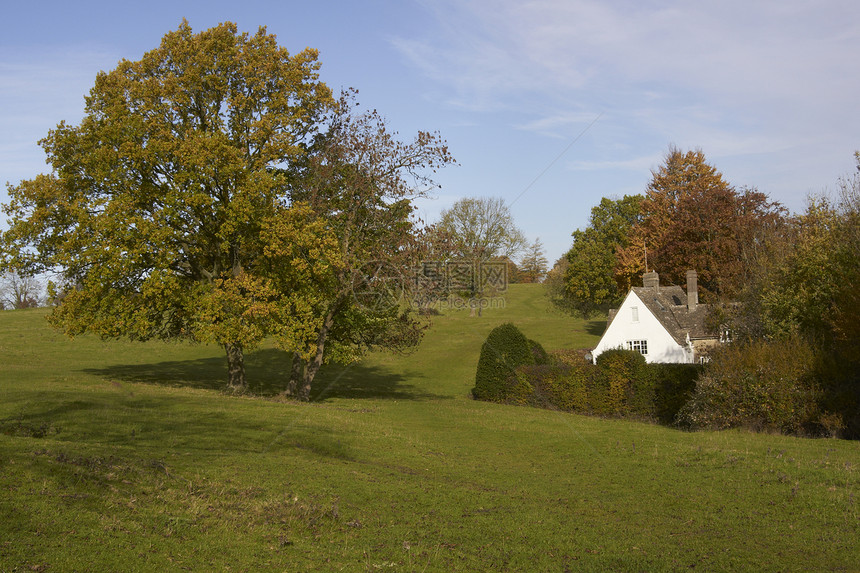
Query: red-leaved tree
x: 693, y: 219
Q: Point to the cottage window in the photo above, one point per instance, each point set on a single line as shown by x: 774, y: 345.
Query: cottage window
x: 635, y: 313
x: 640, y: 346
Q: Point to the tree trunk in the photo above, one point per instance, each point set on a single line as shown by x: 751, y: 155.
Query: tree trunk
x: 475, y: 307
x: 297, y: 374
x: 236, y: 368
x: 311, y: 368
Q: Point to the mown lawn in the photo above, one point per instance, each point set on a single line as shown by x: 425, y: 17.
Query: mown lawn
x: 116, y: 456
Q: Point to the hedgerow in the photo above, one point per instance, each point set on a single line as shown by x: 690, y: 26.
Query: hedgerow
x: 558, y: 386
x: 621, y: 384
x: 625, y: 385
x: 538, y: 353
x: 761, y: 385
x: 780, y: 386
x: 673, y: 386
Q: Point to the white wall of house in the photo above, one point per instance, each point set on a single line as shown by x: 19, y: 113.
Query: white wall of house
x: 633, y: 324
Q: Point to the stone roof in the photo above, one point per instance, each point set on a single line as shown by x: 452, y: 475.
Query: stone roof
x: 669, y: 305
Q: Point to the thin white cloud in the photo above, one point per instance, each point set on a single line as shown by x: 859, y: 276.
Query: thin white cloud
x: 639, y: 164
x: 551, y: 125
x: 767, y: 90
x: 494, y: 52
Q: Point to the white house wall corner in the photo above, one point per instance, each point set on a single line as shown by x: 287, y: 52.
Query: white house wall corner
x: 633, y: 324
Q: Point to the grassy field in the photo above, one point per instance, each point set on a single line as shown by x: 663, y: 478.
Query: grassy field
x: 118, y: 456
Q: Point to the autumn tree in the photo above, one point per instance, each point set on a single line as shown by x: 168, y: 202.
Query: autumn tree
x: 554, y: 284
x: 589, y: 284
x: 691, y: 218
x: 533, y: 264
x: 156, y: 203
x: 799, y: 294
x: 846, y: 329
x: 345, y: 248
x: 513, y: 272
x: 432, y: 248
x: 805, y: 280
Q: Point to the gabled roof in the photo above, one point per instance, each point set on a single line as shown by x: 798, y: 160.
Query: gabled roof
x: 669, y: 305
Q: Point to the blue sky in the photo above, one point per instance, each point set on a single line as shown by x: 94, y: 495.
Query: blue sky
x: 549, y: 104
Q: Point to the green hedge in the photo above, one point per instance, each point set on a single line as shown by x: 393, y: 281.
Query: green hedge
x: 557, y: 386
x: 763, y: 385
x: 496, y: 379
x: 674, y: 384
x: 621, y: 384
x: 625, y: 385
x: 538, y: 353
x: 785, y: 386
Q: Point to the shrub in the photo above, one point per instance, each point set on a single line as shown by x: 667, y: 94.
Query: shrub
x: 568, y: 357
x: 624, y: 385
x: 673, y: 386
x: 505, y: 349
x: 538, y: 353
x: 762, y: 385
x: 559, y: 386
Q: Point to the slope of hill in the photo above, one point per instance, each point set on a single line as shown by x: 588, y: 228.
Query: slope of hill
x: 124, y: 456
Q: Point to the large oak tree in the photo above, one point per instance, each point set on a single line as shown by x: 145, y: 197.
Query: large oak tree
x: 155, y: 205
x: 215, y: 190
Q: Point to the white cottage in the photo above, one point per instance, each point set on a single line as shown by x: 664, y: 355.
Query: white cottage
x: 664, y: 323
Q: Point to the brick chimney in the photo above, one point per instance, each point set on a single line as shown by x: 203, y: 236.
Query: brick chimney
x: 692, y: 290
x: 651, y: 280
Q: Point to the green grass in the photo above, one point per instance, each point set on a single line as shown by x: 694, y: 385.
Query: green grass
x: 123, y: 456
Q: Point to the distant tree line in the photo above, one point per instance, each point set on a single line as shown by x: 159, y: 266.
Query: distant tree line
x: 472, y: 253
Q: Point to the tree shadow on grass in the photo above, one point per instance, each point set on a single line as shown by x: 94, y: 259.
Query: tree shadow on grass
x: 201, y: 373
x: 150, y: 421
x: 359, y: 381
x: 267, y: 372
x: 595, y: 327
